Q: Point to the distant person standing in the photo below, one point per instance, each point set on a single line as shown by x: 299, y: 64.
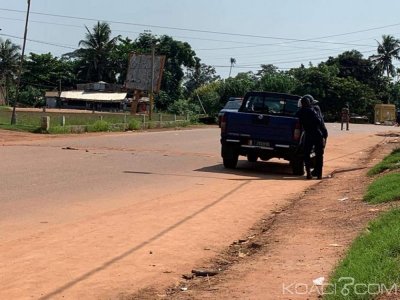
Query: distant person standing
x: 345, y: 116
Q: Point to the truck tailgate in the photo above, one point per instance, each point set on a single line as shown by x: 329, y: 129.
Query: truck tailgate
x: 274, y: 129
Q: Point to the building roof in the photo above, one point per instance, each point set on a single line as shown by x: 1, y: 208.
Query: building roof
x: 51, y: 94
x: 93, y: 96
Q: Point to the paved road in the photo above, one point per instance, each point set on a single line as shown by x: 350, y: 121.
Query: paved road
x: 97, y: 216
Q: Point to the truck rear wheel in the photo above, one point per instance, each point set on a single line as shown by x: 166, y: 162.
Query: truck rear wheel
x: 230, y: 155
x: 297, y: 166
x: 230, y: 163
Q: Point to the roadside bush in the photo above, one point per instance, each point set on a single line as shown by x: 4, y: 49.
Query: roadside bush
x: 99, y: 125
x: 134, y: 124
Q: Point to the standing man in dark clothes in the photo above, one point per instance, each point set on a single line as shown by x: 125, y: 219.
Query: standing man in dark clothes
x: 315, y: 135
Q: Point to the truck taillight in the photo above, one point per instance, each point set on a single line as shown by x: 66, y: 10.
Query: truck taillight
x: 223, y: 124
x: 297, y: 131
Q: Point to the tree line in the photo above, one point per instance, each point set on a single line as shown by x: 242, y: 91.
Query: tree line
x: 348, y: 78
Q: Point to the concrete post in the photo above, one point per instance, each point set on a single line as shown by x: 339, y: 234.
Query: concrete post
x: 45, y: 124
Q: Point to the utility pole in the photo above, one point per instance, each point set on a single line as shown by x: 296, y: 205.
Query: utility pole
x: 233, y: 61
x: 14, y: 116
x: 152, y: 81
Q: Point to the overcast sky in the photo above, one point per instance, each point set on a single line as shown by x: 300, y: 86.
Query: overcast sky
x: 285, y: 33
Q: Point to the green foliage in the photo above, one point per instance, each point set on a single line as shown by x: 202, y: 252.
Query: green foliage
x: 178, y: 55
x: 119, y: 57
x: 209, y: 97
x: 9, y: 63
x: 394, y: 94
x: 94, y: 63
x: 163, y: 100
x: 236, y: 86
x: 31, y: 96
x: 384, y: 189
x: 280, y: 82
x: 373, y: 258
x: 333, y: 91
x: 199, y: 75
x: 183, y: 107
x: 134, y: 124
x: 388, y: 50
x: 99, y: 125
x: 347, y: 78
x: 390, y: 162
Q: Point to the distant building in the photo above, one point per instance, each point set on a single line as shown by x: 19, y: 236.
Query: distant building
x: 98, y: 101
x: 97, y: 96
x: 52, y: 99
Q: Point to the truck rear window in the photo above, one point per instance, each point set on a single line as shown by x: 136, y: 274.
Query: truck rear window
x: 270, y: 105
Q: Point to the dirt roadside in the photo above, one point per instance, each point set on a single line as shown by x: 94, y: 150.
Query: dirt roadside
x: 284, y: 252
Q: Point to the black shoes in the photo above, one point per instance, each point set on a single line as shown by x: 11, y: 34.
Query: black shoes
x: 312, y: 174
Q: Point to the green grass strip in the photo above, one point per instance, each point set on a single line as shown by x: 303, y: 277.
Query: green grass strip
x: 384, y: 189
x: 372, y: 264
x: 20, y: 128
x: 390, y: 162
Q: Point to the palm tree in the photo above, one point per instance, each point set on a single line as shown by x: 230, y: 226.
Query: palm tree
x: 388, y: 50
x: 9, y: 63
x: 95, y: 53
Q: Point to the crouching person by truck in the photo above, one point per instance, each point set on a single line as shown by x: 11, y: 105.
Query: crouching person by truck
x: 315, y: 136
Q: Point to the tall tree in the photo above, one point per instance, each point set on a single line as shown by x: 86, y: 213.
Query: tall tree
x: 267, y: 69
x: 178, y: 55
x: 388, y: 50
x: 9, y: 62
x: 45, y: 72
x: 199, y: 75
x: 120, y: 56
x: 95, y: 53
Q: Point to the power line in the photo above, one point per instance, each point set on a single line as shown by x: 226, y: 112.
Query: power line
x: 288, y: 40
x: 204, y: 31
x: 129, y: 31
x: 39, y: 42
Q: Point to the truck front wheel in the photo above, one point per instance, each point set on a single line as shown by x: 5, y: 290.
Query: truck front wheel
x: 252, y: 157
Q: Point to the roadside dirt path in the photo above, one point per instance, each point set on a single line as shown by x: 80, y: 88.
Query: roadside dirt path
x: 284, y: 252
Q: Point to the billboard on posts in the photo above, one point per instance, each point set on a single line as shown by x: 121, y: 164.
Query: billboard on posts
x: 139, y: 72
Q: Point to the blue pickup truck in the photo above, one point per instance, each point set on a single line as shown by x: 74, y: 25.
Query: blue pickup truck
x: 264, y: 127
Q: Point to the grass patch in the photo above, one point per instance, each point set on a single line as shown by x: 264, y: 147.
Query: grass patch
x: 20, y: 128
x: 67, y: 122
x: 373, y: 261
x: 390, y: 162
x: 384, y: 189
